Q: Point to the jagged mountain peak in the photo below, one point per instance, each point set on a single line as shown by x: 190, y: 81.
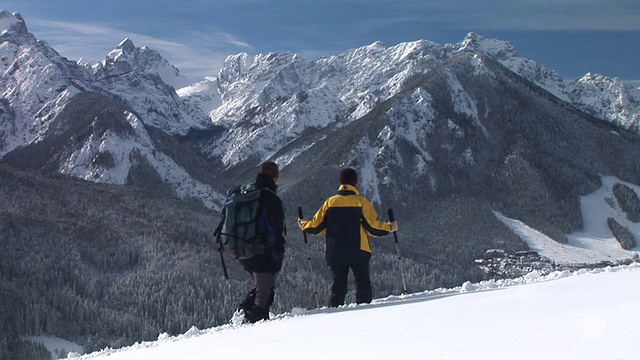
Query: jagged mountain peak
x: 126, y: 58
x: 36, y: 83
x: 241, y: 65
x: 13, y: 28
x: 127, y: 45
x: 602, y: 81
x: 402, y: 52
x: 148, y: 82
x: 274, y: 61
x: 12, y: 22
x: 375, y: 47
x: 607, y: 98
x: 123, y: 52
x: 496, y: 48
x: 505, y: 53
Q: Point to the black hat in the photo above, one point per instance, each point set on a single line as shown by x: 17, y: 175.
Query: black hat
x: 348, y: 176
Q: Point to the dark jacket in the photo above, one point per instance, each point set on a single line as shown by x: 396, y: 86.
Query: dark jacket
x: 348, y: 220
x: 272, y: 260
x: 273, y: 204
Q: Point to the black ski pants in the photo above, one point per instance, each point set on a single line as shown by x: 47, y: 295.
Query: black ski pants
x: 340, y: 275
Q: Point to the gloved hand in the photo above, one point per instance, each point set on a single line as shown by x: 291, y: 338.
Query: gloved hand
x: 394, y: 226
x: 300, y: 220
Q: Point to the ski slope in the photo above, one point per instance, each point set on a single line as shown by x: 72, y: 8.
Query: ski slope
x: 595, y: 243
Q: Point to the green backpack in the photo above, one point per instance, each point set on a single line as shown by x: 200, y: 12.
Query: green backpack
x: 241, y: 233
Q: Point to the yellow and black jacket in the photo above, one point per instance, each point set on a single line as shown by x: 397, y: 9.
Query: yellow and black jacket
x: 347, y: 220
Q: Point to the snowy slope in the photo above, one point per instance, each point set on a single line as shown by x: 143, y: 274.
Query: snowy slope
x: 582, y: 315
x: 123, y: 149
x: 203, y: 94
x: 595, y: 243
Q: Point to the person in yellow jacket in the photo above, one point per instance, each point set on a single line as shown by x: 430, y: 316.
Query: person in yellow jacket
x: 347, y: 220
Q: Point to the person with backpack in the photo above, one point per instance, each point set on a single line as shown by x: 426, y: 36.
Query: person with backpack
x: 347, y: 220
x: 264, y: 265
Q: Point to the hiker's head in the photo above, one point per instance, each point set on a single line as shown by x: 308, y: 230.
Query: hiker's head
x: 269, y: 168
x: 348, y: 176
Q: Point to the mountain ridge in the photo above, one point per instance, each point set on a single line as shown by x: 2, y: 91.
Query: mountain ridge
x: 547, y: 79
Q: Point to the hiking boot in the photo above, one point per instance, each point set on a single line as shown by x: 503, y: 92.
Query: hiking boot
x: 249, y: 302
x: 258, y: 314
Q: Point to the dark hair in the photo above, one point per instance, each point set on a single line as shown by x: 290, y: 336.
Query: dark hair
x: 348, y: 176
x: 270, y: 168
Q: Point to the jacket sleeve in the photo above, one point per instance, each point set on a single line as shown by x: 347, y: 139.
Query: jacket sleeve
x: 371, y: 223
x: 317, y: 225
x: 275, y: 209
x: 279, y: 220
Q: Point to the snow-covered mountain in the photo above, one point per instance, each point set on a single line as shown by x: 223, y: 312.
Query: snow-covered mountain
x: 609, y: 99
x: 36, y: 83
x: 147, y: 82
x: 270, y: 100
x: 129, y: 96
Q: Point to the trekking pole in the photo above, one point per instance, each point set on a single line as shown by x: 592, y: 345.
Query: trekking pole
x: 395, y: 238
x: 224, y: 265
x: 306, y: 245
x: 221, y: 250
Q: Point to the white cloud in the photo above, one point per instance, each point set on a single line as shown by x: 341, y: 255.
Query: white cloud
x: 204, y: 54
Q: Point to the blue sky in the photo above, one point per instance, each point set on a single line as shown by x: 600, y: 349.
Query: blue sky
x: 572, y: 37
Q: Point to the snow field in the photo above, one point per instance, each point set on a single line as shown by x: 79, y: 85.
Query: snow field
x: 587, y: 314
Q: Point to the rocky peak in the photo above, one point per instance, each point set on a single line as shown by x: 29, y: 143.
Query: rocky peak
x: 126, y: 58
x: 127, y: 46
x: 498, y: 49
x: 608, y: 98
x: 13, y: 28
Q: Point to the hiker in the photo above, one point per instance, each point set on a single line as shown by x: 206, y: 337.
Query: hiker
x: 265, y: 265
x: 348, y: 219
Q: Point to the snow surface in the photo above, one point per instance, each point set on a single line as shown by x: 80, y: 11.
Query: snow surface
x: 595, y: 243
x: 588, y: 314
x: 56, y: 345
